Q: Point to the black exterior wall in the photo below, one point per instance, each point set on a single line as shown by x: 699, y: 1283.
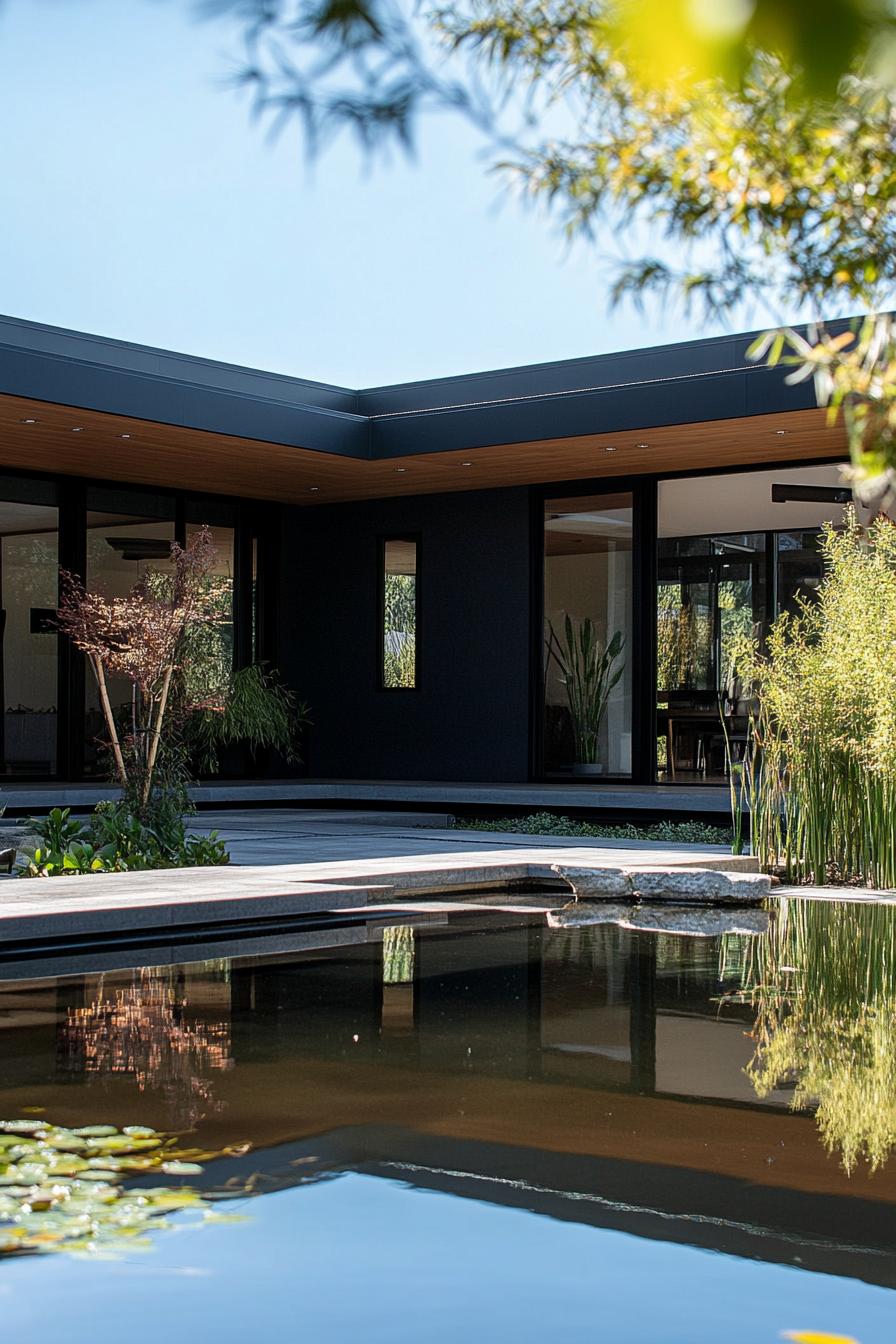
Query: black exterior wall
x: 468, y: 719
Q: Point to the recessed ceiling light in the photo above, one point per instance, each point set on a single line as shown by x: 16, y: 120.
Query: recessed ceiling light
x: 642, y: 445
x: 27, y: 422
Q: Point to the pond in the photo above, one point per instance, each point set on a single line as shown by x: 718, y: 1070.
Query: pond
x: 480, y: 1127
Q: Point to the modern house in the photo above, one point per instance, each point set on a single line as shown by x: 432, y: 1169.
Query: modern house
x: 405, y: 554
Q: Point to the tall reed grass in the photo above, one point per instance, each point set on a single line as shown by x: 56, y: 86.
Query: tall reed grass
x: 821, y: 777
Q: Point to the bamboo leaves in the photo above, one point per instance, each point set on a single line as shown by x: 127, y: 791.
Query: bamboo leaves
x: 823, y: 769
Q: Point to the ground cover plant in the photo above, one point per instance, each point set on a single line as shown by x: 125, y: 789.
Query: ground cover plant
x: 547, y: 823
x: 822, y: 774
x: 114, y: 840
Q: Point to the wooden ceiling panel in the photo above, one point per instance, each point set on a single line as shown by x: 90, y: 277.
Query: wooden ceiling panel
x: 116, y: 448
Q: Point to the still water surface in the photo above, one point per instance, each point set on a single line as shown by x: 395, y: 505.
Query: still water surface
x: 491, y: 1130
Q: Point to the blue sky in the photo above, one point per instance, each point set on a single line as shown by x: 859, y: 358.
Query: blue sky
x: 140, y: 201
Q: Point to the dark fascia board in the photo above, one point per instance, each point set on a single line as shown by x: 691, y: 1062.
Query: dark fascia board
x: 693, y: 381
x: 588, y: 373
x: 635, y: 407
x: 71, y: 369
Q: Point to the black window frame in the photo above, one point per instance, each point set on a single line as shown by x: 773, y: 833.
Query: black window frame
x: 415, y: 539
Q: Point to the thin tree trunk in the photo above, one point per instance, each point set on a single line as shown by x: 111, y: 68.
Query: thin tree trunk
x: 100, y: 674
x: 156, y: 735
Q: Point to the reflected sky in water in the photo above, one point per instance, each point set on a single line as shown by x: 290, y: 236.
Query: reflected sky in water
x: 361, y: 1258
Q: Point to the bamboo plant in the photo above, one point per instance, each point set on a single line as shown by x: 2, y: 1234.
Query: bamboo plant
x: 822, y: 770
x: 589, y: 669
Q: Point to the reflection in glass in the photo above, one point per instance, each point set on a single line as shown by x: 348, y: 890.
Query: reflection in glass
x: 209, y: 663
x: 588, y: 614
x: 399, y: 669
x: 711, y: 593
x: 29, y: 567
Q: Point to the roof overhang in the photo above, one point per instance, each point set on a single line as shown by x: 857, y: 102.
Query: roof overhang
x: 42, y: 436
x: 90, y: 407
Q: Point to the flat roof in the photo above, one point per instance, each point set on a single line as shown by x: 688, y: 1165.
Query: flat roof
x: 685, y: 382
x: 211, y: 426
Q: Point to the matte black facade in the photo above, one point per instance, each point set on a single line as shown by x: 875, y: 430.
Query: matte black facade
x: 468, y: 717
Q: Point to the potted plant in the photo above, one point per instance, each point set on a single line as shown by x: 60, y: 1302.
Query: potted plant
x: 589, y: 670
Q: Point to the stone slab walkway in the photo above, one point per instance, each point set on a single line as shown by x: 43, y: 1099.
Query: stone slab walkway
x: 299, y: 863
x: 288, y: 864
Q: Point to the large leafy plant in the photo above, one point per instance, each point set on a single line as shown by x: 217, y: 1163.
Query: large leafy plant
x: 589, y: 669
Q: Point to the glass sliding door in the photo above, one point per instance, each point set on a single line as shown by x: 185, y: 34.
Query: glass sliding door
x: 29, y: 585
x: 588, y: 636
x: 733, y: 551
x: 711, y: 592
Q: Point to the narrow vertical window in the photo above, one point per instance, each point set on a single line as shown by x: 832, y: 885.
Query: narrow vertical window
x: 399, y: 606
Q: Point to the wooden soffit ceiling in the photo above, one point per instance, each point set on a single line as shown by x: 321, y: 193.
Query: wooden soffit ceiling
x: 40, y: 436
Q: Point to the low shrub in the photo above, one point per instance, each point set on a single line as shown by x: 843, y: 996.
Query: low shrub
x: 547, y: 823
x: 114, y: 840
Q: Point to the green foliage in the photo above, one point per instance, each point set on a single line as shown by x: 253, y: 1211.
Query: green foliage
x: 203, y: 851
x: 63, y: 1189
x: 754, y: 140
x: 823, y: 982
x: 258, y: 710
x: 854, y: 375
x: 822, y: 779
x: 588, y: 671
x: 548, y: 823
x: 115, y: 840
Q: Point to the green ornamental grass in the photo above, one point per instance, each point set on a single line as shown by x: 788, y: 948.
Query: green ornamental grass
x: 822, y: 776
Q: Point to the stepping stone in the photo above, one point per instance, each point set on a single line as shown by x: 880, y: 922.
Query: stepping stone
x: 595, y: 884
x: 700, y: 886
x: 692, y: 886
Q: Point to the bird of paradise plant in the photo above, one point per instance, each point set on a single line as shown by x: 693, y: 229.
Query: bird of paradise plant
x: 589, y: 669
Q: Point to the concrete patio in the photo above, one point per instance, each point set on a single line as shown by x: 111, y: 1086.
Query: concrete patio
x: 289, y: 864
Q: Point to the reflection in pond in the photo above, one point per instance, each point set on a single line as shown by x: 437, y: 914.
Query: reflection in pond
x: 823, y: 983
x: 398, y: 955
x: 145, y: 1030
x: 480, y: 1104
x: 62, y: 1189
